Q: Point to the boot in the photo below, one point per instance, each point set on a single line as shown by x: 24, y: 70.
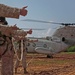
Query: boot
x: 25, y: 71
x: 15, y: 70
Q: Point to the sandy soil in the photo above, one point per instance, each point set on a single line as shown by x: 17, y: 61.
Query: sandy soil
x: 60, y: 64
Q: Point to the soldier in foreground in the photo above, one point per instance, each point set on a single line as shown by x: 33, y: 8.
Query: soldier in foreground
x: 19, y: 53
x: 6, y: 34
x: 22, y: 45
x: 6, y: 46
x: 6, y: 50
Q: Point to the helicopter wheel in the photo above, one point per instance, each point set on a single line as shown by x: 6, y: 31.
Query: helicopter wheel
x: 49, y: 56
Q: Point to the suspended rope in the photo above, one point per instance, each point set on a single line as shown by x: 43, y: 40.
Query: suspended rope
x: 20, y: 59
x: 29, y: 61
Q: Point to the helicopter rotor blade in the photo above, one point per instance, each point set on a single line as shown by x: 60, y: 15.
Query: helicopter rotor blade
x: 41, y: 21
x: 32, y: 29
x: 66, y: 24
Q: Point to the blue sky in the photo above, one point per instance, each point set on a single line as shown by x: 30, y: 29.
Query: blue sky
x: 48, y: 10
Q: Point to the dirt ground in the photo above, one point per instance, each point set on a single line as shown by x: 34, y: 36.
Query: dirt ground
x: 60, y: 64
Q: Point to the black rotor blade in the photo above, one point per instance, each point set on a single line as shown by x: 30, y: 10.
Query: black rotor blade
x: 41, y: 21
x: 31, y: 20
x: 66, y: 24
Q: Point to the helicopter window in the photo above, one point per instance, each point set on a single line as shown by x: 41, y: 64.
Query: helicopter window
x: 28, y: 44
x: 63, y: 38
x: 47, y: 38
x: 56, y: 39
x: 34, y: 44
x: 44, y: 45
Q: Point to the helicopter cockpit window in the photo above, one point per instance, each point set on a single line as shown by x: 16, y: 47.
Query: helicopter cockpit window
x: 56, y: 39
x: 47, y: 38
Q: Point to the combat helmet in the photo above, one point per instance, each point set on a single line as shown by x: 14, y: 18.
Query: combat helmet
x: 2, y: 19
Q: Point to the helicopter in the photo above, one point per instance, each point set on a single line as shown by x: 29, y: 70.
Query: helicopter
x: 62, y: 38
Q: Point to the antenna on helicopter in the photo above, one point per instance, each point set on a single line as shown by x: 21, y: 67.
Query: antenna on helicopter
x: 41, y: 21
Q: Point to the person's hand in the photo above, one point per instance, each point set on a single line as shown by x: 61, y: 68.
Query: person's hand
x: 30, y: 31
x: 23, y: 11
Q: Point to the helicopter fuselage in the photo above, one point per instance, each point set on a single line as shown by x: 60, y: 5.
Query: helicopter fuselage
x: 62, y: 38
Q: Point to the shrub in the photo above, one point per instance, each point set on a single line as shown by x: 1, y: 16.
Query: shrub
x: 71, y: 49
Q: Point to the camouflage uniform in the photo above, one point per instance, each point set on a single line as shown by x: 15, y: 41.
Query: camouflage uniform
x: 6, y: 11
x: 19, y: 55
x: 6, y: 51
x: 25, y: 40
x: 7, y: 54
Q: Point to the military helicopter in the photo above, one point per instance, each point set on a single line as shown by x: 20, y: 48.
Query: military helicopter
x: 62, y: 38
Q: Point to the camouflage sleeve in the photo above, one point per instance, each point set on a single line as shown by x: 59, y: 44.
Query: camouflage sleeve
x: 10, y: 12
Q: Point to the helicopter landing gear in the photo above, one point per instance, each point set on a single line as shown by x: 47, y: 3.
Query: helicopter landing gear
x: 49, y: 56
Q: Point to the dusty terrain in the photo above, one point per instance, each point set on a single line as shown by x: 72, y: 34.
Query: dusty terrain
x: 60, y: 64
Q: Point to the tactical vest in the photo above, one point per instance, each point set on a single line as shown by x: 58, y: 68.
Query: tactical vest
x: 3, y: 39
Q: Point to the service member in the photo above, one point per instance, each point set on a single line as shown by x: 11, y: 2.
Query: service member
x: 6, y: 48
x: 12, y: 12
x: 24, y: 53
x: 24, y: 65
